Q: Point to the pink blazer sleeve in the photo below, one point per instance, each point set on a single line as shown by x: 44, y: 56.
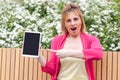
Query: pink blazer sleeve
x: 95, y: 50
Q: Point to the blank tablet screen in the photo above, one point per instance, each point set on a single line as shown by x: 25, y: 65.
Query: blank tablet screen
x: 31, y: 44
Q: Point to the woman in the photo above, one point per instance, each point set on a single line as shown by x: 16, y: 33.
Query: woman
x: 73, y: 52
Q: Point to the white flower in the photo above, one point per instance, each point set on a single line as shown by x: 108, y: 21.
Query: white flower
x: 112, y: 45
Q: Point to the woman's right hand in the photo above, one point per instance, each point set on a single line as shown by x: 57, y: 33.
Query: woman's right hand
x: 41, y: 58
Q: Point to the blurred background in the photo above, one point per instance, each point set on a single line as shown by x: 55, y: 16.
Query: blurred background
x: 102, y: 18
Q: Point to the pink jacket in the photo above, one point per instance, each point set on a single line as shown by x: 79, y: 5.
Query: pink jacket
x: 91, y: 49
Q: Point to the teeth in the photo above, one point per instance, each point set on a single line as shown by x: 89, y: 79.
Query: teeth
x: 74, y: 28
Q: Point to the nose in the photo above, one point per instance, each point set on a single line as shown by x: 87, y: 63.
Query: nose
x: 72, y: 22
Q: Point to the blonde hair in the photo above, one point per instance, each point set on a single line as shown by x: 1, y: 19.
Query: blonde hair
x: 72, y: 8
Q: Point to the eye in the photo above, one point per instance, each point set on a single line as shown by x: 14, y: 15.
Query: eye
x: 68, y: 20
x: 75, y: 19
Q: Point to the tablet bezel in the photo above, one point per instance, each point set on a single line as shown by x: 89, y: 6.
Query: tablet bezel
x: 28, y: 55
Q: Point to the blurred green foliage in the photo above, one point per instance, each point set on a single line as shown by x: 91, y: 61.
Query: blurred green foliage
x: 102, y: 20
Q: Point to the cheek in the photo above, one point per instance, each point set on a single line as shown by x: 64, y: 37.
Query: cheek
x: 80, y: 24
x: 67, y: 26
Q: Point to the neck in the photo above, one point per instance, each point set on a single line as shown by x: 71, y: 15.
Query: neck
x: 77, y: 36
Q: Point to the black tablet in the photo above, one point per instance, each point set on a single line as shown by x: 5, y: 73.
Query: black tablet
x: 31, y: 44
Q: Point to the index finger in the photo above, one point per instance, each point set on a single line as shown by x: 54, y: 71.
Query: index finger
x: 51, y: 50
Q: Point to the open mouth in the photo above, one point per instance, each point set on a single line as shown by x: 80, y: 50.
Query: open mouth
x: 74, y: 28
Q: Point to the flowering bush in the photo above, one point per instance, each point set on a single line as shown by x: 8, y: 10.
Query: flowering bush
x: 102, y: 20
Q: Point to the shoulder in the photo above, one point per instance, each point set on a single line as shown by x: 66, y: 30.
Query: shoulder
x: 57, y: 41
x: 59, y: 37
x: 90, y: 37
